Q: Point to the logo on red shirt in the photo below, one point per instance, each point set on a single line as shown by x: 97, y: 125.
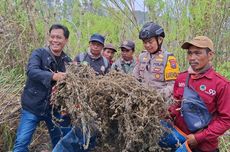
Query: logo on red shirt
x: 209, y: 91
x: 202, y: 87
x: 181, y: 84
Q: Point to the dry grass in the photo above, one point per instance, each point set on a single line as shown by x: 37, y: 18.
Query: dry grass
x: 225, y: 142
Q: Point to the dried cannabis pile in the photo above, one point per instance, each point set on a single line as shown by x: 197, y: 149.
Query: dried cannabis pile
x: 124, y: 112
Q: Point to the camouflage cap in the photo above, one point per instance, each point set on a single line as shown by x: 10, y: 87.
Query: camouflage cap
x: 110, y: 46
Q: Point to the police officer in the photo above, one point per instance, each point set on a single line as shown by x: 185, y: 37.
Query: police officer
x: 156, y: 68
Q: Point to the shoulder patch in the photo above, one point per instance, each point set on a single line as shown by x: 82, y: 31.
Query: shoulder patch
x: 171, y: 68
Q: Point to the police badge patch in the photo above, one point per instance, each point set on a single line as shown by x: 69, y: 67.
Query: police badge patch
x: 173, y: 63
x: 157, y: 76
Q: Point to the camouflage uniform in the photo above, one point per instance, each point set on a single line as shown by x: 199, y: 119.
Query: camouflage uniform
x: 125, y: 66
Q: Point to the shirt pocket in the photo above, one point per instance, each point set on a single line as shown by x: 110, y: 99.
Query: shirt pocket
x: 36, y: 95
x: 142, y: 66
x: 209, y: 102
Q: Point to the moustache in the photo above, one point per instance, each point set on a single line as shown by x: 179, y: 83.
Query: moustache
x: 193, y: 63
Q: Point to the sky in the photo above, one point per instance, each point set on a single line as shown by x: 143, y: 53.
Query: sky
x: 139, y: 5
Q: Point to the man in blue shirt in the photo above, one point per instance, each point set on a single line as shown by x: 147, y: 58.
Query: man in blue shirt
x: 93, y: 56
x: 75, y: 140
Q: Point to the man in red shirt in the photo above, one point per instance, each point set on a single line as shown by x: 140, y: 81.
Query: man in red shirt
x: 211, y: 87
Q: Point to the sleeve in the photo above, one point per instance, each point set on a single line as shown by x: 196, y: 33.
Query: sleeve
x: 68, y: 60
x: 113, y: 67
x: 221, y: 122
x: 108, y: 68
x: 176, y: 96
x: 168, y: 90
x: 35, y: 71
x: 136, y: 70
x: 77, y: 59
x: 171, y: 73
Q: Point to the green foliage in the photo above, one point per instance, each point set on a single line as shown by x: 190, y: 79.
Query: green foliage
x: 92, y: 23
x: 225, y: 142
x: 97, y: 4
x: 224, y: 69
x: 26, y: 25
x: 11, y: 80
x: 183, y: 20
x: 40, y: 28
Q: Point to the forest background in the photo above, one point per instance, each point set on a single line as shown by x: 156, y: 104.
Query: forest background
x: 24, y: 26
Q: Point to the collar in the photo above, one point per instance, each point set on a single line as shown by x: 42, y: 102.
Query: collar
x: 126, y: 62
x: 154, y: 55
x: 209, y: 73
x: 62, y: 55
x: 158, y: 51
x: 62, y: 52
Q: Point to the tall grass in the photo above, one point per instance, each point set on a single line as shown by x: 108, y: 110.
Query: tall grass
x: 11, y: 82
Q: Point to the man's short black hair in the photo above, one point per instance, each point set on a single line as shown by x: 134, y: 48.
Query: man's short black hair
x: 59, y: 26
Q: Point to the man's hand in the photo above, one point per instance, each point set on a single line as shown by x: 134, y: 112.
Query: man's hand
x: 59, y: 76
x: 191, y: 141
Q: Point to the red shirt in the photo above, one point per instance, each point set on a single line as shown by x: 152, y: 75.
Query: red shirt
x: 214, y: 90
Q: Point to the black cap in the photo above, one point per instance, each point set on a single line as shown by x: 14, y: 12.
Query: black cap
x: 150, y: 30
x: 128, y: 44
